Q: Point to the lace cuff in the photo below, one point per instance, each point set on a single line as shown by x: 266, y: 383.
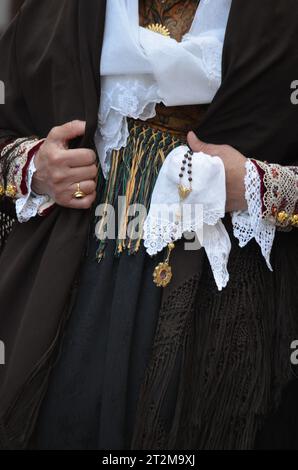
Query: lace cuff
x: 250, y: 224
x: 279, y: 194
x: 32, y: 204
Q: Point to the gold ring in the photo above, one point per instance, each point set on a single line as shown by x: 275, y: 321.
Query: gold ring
x: 79, y: 194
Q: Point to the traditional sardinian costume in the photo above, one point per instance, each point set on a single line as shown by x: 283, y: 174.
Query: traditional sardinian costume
x: 98, y: 357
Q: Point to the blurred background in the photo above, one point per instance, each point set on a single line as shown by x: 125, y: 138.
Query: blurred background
x: 8, y: 9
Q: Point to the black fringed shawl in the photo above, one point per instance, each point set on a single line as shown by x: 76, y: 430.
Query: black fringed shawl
x: 50, y: 59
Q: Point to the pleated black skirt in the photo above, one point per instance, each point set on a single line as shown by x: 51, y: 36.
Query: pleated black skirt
x: 92, y: 397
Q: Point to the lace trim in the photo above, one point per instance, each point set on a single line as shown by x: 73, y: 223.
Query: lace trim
x: 158, y: 233
x: 29, y: 206
x: 250, y: 225
x: 217, y: 245
x: 118, y: 102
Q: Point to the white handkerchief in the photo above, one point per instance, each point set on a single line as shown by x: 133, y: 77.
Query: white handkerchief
x: 200, y: 212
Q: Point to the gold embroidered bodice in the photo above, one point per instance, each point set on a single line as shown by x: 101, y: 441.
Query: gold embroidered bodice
x: 177, y: 16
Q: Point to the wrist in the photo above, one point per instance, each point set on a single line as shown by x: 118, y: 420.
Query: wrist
x: 236, y: 191
x: 38, y: 185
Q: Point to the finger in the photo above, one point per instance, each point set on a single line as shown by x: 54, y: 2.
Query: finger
x: 63, y: 134
x: 85, y: 203
x: 198, y: 145
x: 87, y: 187
x: 85, y: 173
x: 80, y: 157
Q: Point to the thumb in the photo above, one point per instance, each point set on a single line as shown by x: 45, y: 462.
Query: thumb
x: 195, y: 143
x: 69, y: 131
x: 198, y: 145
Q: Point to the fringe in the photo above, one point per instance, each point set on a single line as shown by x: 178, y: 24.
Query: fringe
x: 6, y: 225
x: 7, y: 221
x: 150, y: 429
x: 133, y: 174
x: 220, y: 360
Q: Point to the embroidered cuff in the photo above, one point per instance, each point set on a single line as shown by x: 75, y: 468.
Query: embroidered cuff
x: 279, y: 194
x: 15, y: 160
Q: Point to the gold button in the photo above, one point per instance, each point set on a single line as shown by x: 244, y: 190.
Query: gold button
x: 11, y: 191
x: 2, y: 190
x: 282, y: 217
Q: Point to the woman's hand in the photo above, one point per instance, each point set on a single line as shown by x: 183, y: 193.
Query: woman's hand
x: 60, y: 169
x: 234, y: 163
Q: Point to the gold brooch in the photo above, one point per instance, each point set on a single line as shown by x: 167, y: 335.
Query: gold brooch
x: 159, y: 28
x: 162, y: 275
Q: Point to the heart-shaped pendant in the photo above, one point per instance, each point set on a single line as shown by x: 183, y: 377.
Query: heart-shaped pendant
x: 183, y: 191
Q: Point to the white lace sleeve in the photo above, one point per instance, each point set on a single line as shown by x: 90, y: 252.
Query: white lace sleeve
x: 30, y: 205
x: 250, y: 224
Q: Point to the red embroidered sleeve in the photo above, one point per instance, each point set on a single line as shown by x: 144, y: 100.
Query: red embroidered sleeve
x: 279, y: 193
x: 15, y: 158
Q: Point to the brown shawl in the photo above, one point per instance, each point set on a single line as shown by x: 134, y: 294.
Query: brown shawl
x: 50, y: 60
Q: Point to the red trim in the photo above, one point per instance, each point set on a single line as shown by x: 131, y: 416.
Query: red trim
x: 31, y: 153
